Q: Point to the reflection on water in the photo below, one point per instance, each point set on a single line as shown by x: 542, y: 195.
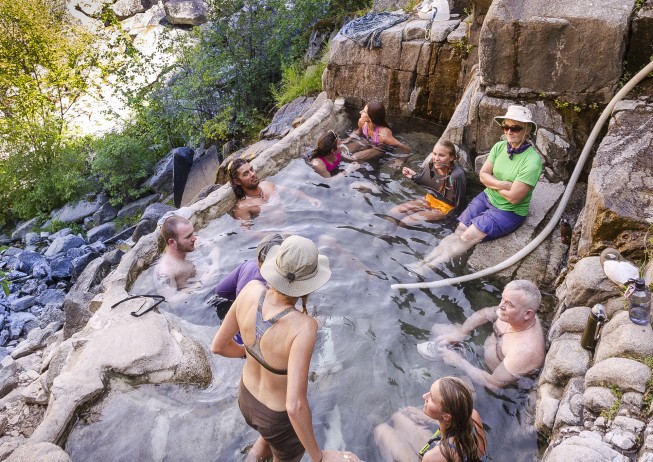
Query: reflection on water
x: 365, y: 365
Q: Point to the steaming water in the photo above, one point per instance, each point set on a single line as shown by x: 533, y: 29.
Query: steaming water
x: 365, y: 365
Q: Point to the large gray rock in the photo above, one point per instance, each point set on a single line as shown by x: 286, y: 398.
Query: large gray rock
x: 542, y: 265
x: 51, y: 296
x: 586, y: 284
x: 626, y: 374
x: 61, y: 267
x: 572, y: 320
x: 105, y: 213
x: 543, y: 47
x: 26, y: 260
x: 36, y: 340
x: 409, y: 74
x: 63, y: 244
x: 76, y: 212
x: 185, y: 12
x: 149, y: 219
x: 282, y: 122
x: 22, y: 323
x: 623, y: 338
x: 24, y: 227
x: 640, y: 48
x: 565, y: 360
x: 578, y: 448
x: 570, y: 411
x: 548, y: 401
x: 202, y: 172
x: 162, y: 179
x: 598, y: 399
x: 619, y: 206
x: 127, y: 8
x: 102, y: 232
x: 9, y: 378
x: 41, y: 452
x: 137, y: 207
x: 20, y: 303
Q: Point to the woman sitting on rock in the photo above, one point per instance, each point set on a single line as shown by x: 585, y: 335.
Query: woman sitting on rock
x: 509, y: 174
x: 325, y: 157
x: 459, y: 438
x: 447, y: 188
x: 373, y: 137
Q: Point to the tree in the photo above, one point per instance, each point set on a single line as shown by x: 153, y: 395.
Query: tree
x: 46, y: 63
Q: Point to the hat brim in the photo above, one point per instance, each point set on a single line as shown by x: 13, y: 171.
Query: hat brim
x: 296, y: 288
x: 499, y: 120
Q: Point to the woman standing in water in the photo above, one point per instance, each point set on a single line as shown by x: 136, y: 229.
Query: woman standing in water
x: 373, y: 137
x: 279, y: 342
x: 459, y: 438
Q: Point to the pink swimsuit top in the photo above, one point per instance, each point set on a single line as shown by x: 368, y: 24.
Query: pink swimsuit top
x: 375, y: 141
x: 331, y: 166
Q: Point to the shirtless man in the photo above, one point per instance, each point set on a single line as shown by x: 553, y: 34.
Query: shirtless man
x: 515, y: 349
x: 174, y: 271
x: 252, y: 193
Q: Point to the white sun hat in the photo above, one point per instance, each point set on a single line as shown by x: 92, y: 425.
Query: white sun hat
x: 520, y: 114
x: 295, y: 268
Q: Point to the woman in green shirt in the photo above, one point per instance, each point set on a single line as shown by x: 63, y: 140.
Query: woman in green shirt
x: 509, y: 174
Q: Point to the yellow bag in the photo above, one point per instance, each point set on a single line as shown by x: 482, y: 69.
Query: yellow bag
x: 437, y: 204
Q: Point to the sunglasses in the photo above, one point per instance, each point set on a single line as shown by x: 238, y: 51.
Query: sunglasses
x: 512, y: 128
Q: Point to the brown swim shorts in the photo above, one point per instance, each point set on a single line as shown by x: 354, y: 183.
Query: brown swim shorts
x: 274, y: 426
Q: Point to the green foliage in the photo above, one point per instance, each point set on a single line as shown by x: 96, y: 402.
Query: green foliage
x: 127, y: 221
x: 219, y: 87
x: 297, y: 81
x: 56, y: 225
x: 121, y: 162
x: 45, y: 62
x: 464, y: 46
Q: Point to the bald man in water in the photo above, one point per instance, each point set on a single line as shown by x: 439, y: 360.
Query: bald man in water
x: 516, y: 347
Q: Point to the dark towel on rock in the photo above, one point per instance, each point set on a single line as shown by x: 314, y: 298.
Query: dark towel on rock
x: 366, y: 31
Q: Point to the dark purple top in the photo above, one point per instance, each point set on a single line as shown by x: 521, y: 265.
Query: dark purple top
x: 231, y: 286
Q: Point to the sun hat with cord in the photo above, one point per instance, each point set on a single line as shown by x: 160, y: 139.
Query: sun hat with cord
x: 266, y: 244
x: 519, y: 114
x: 295, y: 268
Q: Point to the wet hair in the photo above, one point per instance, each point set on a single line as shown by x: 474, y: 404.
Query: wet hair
x: 171, y: 225
x: 457, y: 401
x: 376, y: 113
x: 232, y: 170
x: 530, y: 294
x: 325, y: 145
x: 449, y: 145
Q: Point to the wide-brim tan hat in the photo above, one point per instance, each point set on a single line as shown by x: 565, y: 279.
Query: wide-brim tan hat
x: 295, y: 268
x: 520, y: 114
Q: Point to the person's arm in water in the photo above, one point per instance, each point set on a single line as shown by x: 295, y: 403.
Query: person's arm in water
x: 320, y: 168
x: 243, y: 213
x: 299, y: 194
x: 223, y: 343
x: 497, y: 379
x: 460, y: 331
x: 386, y: 137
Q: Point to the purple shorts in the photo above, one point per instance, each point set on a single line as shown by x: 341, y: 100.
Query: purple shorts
x: 489, y: 219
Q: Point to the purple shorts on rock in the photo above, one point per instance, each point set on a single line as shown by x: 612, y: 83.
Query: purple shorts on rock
x: 489, y: 219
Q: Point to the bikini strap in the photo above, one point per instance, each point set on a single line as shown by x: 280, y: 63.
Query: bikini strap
x: 260, y: 301
x: 436, y: 437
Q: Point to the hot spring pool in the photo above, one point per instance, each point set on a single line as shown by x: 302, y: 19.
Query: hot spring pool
x: 365, y: 365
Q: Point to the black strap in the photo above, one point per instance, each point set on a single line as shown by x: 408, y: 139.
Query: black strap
x: 160, y: 299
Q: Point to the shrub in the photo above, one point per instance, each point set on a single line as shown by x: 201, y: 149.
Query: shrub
x: 297, y: 81
x: 122, y: 161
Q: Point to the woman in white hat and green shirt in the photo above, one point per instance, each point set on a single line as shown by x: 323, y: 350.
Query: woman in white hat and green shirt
x: 509, y: 174
x: 279, y: 342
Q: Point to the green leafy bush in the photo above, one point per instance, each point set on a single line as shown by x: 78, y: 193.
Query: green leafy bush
x: 297, y: 81
x: 122, y: 161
